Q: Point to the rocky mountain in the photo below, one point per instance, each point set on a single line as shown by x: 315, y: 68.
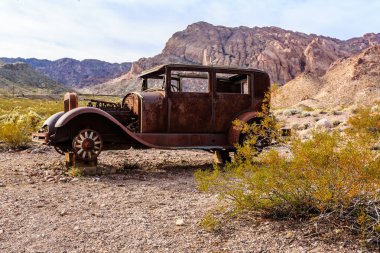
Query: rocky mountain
x: 282, y: 53
x: 74, y: 73
x: 20, y: 78
x: 352, y: 80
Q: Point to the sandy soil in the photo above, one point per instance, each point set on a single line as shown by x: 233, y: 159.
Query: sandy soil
x: 145, y: 201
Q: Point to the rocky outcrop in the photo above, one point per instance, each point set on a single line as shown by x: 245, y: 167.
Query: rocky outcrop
x: 74, y: 73
x: 283, y: 54
x: 352, y: 80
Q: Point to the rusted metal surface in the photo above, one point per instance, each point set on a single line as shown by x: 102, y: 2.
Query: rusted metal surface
x: 191, y: 140
x: 154, y: 114
x: 40, y: 137
x: 171, y: 111
x: 70, y: 101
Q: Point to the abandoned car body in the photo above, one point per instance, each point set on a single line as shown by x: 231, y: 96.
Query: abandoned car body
x: 179, y: 106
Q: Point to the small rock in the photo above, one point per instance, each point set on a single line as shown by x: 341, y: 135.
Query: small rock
x: 323, y: 123
x: 76, y: 228
x: 30, y: 181
x: 180, y: 222
x: 33, y: 173
x: 289, y: 234
x: 376, y: 146
x: 63, y: 212
x: 1, y: 231
x: 63, y: 179
x: 50, y: 179
x: 37, y: 151
x: 2, y: 184
x: 74, y: 180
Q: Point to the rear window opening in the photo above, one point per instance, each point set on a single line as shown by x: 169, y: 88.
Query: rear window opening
x: 232, y: 83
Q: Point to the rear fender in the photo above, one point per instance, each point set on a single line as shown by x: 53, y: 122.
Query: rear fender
x: 234, y: 132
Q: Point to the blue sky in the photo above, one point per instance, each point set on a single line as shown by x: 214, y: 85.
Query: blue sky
x: 125, y: 30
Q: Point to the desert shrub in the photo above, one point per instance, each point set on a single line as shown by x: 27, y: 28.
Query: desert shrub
x: 331, y: 174
x: 291, y: 112
x: 16, y: 128
x: 324, y: 173
x: 75, y: 172
x: 365, y: 123
x: 256, y: 135
x: 209, y: 222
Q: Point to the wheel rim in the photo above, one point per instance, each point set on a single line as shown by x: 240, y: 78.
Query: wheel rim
x: 87, y: 145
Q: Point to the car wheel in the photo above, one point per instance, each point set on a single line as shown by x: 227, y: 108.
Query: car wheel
x: 87, y: 145
x: 61, y: 150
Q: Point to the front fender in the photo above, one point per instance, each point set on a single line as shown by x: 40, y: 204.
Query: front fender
x: 51, y: 121
x: 74, y: 113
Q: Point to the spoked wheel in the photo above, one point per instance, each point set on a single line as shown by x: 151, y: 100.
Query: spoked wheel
x: 87, y: 145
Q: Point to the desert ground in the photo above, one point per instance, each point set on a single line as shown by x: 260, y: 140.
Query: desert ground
x: 142, y: 201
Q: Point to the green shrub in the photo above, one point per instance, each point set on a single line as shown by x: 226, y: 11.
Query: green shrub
x: 325, y: 173
x: 365, y: 123
x: 16, y: 128
x: 330, y: 173
x: 75, y: 172
x: 209, y: 222
x: 291, y: 112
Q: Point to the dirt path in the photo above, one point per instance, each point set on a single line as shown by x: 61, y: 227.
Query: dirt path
x: 134, y: 210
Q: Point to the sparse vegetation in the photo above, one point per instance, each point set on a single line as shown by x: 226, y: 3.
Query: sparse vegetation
x: 291, y: 112
x: 19, y: 117
x: 209, y: 222
x: 75, y: 172
x: 331, y: 175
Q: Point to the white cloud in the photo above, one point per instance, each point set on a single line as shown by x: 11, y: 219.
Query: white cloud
x: 125, y: 30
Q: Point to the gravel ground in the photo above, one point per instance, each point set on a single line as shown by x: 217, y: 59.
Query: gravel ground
x: 144, y: 201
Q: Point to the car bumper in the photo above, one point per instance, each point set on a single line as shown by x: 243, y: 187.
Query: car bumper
x: 40, y: 137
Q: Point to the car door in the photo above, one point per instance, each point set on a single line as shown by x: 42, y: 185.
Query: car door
x: 189, y: 101
x: 232, y: 96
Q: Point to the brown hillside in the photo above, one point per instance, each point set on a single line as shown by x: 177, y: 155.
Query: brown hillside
x: 354, y: 80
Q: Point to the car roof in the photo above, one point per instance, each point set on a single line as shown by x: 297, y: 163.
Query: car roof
x: 160, y: 69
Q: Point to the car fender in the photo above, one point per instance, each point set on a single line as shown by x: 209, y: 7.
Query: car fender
x: 68, y: 116
x: 51, y: 121
x: 234, y: 132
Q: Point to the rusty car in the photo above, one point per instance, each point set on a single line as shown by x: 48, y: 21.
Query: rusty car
x: 179, y: 106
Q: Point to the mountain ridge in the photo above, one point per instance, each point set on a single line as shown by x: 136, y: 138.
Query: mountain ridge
x: 20, y: 78
x: 284, y: 54
x: 75, y: 73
